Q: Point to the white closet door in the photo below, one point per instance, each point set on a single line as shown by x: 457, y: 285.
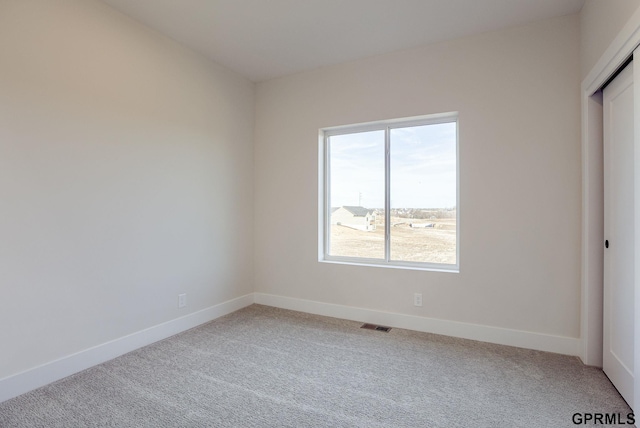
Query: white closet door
x: 618, y: 334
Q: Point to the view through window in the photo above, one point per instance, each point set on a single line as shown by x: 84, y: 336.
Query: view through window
x: 406, y: 169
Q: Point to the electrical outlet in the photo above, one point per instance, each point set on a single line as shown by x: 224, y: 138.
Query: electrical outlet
x: 182, y: 300
x: 417, y: 299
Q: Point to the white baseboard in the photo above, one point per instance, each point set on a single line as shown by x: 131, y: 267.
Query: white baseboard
x: 483, y: 333
x: 31, y: 379
x: 26, y: 381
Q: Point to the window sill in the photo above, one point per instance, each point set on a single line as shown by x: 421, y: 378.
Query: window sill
x: 394, y: 265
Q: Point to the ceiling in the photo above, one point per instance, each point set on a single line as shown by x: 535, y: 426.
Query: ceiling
x: 264, y: 39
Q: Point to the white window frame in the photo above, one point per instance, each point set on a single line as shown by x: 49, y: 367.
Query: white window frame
x: 324, y: 214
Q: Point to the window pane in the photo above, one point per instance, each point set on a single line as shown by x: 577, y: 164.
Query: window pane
x: 356, y: 195
x: 423, y: 193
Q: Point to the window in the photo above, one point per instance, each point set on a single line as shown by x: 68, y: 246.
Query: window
x: 390, y: 193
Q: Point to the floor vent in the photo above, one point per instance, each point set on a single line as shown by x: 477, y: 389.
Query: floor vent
x: 376, y: 327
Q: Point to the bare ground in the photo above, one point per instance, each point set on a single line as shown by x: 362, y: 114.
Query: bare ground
x: 432, y: 245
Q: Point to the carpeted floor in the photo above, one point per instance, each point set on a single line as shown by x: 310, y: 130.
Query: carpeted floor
x: 267, y: 367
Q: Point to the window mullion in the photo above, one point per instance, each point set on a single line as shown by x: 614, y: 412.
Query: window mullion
x: 387, y: 194
x: 327, y: 195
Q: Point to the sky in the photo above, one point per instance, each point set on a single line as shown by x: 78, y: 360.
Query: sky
x: 423, y: 167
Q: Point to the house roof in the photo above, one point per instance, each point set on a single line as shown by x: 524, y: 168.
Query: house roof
x: 358, y: 211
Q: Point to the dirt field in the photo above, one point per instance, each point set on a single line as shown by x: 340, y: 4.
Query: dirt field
x: 432, y: 245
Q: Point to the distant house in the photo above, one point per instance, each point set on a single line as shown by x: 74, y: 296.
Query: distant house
x: 360, y: 218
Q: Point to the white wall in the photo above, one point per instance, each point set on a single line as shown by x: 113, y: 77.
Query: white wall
x: 517, y: 94
x: 600, y: 23
x: 125, y: 179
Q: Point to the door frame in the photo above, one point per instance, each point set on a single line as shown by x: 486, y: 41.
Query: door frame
x: 591, y: 321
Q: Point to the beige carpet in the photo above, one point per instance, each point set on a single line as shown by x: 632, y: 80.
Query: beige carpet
x: 266, y: 367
